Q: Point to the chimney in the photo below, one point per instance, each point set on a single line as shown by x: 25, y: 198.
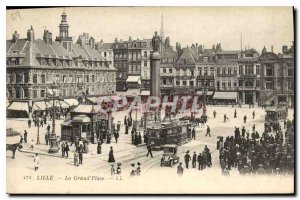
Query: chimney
x: 15, y: 37
x: 30, y: 34
x: 213, y: 47
x: 47, y: 37
x: 92, y: 42
x: 116, y: 39
x: 272, y: 48
x: 130, y: 39
x: 50, y: 37
x: 284, y: 49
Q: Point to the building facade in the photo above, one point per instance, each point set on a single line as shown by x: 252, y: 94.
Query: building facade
x: 120, y: 53
x: 34, y: 66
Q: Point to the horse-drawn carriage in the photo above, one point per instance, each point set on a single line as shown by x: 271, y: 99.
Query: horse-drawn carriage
x: 13, y: 141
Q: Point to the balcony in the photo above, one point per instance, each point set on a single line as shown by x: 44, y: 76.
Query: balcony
x: 166, y: 75
x: 243, y: 88
x: 167, y: 86
x: 247, y: 75
x: 145, y: 77
x: 205, y: 77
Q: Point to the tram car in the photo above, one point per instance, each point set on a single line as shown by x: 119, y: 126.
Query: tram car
x: 170, y: 132
x: 275, y: 114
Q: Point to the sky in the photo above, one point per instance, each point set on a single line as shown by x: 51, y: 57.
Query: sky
x: 260, y: 26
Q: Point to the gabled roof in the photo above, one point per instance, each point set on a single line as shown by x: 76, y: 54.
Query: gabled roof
x: 187, y: 57
x: 18, y: 46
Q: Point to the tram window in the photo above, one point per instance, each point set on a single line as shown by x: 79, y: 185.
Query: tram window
x: 88, y: 127
x: 83, y: 128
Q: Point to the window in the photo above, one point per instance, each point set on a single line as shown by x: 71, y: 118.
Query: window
x: 43, y: 78
x: 223, y: 84
x: 212, y: 71
x: 200, y: 71
x: 229, y: 70
x: 43, y: 93
x: 234, y: 84
x: 218, y: 70
x: 257, y: 69
x: 18, y: 94
x: 164, y: 82
x: 192, y: 72
x: 240, y: 69
x: 229, y: 84
x: 205, y: 59
x: 249, y: 69
x: 10, y: 78
x: 177, y: 82
x: 171, y: 81
x: 241, y: 83
x: 18, y: 78
x: 235, y: 71
x: 191, y: 83
x: 105, y: 54
x: 145, y: 63
x: 145, y: 54
x: 205, y: 71
x: 257, y: 83
x: 93, y: 78
x: 26, y: 77
x: 35, y: 94
x: 164, y: 70
x: 183, y: 82
x: 269, y: 70
x: 145, y: 73
x: 34, y: 78
x: 290, y: 85
x: 87, y: 78
x: 64, y: 92
x: 170, y: 71
x: 223, y: 70
x: 269, y: 85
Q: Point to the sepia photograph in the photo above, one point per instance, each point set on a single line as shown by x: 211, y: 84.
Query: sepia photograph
x: 150, y: 100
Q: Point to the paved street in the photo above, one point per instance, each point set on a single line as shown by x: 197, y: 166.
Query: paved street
x: 126, y: 153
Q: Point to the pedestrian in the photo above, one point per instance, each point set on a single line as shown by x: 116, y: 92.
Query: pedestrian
x: 149, y: 150
x: 235, y: 115
x: 245, y: 119
x: 214, y: 113
x: 200, y: 161
x: 138, y: 169
x: 25, y: 136
x: 253, y: 114
x: 36, y: 161
x: 225, y: 118
x: 80, y: 153
x: 41, y: 122
x: 116, y: 135
x: 46, y: 138
x: 67, y: 149
x: 29, y: 123
x: 21, y: 139
x: 125, y: 120
x: 45, y: 120
x: 99, y: 148
x: 209, y: 163
x: 194, y: 160
x: 187, y: 159
x: 31, y: 145
x: 180, y: 169
x: 139, y: 138
x: 243, y: 131
x: 112, y: 169
x: 136, y: 139
x: 194, y: 133
x: 126, y: 129
x: 208, y: 131
x: 119, y: 171
x: 76, y: 158
x: 111, y: 157
x: 48, y: 128
x: 63, y: 145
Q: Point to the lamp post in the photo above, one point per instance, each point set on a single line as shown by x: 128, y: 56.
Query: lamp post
x: 53, y: 140
x: 38, y: 127
x: 204, y: 92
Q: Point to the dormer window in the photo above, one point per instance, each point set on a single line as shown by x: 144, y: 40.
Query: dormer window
x: 205, y: 59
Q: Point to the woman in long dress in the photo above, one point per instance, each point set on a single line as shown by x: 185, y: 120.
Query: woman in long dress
x: 111, y: 157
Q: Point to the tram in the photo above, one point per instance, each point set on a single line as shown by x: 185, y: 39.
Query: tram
x: 170, y: 132
x: 275, y: 114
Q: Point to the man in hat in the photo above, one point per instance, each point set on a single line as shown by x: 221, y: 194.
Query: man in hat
x: 29, y: 123
x: 194, y: 133
x: 180, y: 169
x: 235, y: 115
x: 214, y: 113
x: 63, y: 149
x: 149, y: 148
x: 126, y: 129
x: 48, y: 128
x: 111, y: 157
x: 253, y: 114
x: 208, y: 131
x: 187, y: 159
x: 194, y: 161
x: 245, y: 119
x: 200, y: 161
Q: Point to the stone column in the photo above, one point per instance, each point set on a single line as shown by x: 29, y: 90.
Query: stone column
x: 243, y: 102
x: 155, y: 79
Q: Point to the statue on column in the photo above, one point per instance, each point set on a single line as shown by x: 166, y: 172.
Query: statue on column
x: 156, y: 42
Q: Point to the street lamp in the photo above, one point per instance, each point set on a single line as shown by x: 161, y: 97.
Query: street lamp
x: 37, y: 114
x: 53, y: 140
x: 204, y: 92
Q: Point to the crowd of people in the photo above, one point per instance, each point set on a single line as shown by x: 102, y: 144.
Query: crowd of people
x: 257, y: 154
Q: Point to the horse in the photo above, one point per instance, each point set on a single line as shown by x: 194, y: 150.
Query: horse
x: 13, y: 148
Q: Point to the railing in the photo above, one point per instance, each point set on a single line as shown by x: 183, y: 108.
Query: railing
x: 248, y: 88
x: 206, y: 77
x: 247, y: 75
x: 145, y: 77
